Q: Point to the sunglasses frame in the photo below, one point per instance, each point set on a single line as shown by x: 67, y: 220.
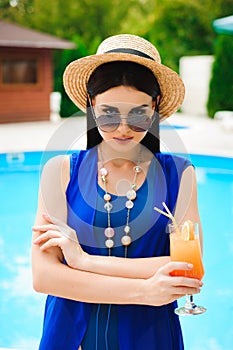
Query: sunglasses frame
x: 131, y: 126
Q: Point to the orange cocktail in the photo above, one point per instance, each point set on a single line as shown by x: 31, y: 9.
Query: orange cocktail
x: 185, y: 246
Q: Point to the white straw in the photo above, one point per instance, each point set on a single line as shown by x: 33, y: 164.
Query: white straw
x: 168, y: 214
x: 168, y: 211
x: 171, y: 216
x: 162, y: 212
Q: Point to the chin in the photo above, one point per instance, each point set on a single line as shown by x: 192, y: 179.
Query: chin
x: 122, y: 145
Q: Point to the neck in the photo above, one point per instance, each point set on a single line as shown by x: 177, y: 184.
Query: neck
x: 119, y: 158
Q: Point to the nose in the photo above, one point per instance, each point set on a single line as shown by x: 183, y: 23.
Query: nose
x: 123, y: 126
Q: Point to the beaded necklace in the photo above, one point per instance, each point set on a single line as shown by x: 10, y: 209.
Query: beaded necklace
x: 131, y: 195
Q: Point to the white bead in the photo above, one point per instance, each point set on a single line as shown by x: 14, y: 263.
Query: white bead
x: 127, y: 229
x: 103, y: 172
x: 109, y: 243
x: 126, y: 240
x: 109, y: 232
x: 107, y: 197
x: 108, y: 206
x: 137, y: 169
x: 129, y: 204
x: 131, y: 194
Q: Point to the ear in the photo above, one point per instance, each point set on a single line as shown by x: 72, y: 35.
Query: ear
x: 93, y: 102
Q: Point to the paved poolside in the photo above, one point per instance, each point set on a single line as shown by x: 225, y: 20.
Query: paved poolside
x: 193, y: 134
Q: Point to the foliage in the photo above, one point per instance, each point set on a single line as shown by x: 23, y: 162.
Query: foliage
x: 180, y: 33
x: 221, y: 84
x: 61, y: 60
x: 177, y: 28
x: 184, y: 28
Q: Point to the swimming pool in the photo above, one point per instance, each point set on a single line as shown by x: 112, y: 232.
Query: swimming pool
x: 21, y: 309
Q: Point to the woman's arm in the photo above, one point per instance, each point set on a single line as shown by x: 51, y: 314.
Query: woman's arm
x: 58, y: 234
x: 51, y: 276
x: 52, y: 200
x: 187, y: 201
x: 141, y: 268
x: 113, y: 266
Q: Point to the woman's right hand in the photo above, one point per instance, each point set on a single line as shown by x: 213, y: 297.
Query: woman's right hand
x: 162, y: 288
x: 56, y: 233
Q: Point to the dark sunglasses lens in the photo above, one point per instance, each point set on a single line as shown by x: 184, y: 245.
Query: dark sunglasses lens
x: 108, y: 123
x: 140, y: 124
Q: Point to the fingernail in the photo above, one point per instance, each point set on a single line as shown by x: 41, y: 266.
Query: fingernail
x: 190, y: 266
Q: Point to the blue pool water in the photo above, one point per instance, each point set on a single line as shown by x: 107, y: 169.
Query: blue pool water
x: 21, y: 309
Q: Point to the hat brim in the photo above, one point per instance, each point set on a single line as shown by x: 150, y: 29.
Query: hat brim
x: 78, y: 72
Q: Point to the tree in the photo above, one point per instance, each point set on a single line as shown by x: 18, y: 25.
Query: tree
x: 62, y: 59
x: 221, y: 84
x: 181, y: 28
x: 177, y: 28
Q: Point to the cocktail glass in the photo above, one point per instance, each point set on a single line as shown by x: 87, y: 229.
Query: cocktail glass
x: 185, y: 246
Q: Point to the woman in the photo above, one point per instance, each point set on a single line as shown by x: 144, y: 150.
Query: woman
x: 99, y: 249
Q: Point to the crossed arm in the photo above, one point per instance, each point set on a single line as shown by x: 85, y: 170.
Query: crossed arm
x: 95, y: 278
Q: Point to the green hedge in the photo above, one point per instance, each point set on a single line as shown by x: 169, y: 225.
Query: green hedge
x: 61, y: 60
x: 221, y: 84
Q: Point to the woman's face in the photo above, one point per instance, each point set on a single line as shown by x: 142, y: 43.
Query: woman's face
x: 118, y: 105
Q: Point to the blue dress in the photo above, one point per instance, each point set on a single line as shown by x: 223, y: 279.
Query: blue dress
x: 69, y: 324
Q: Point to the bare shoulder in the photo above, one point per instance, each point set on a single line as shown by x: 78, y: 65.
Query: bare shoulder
x: 60, y: 161
x: 57, y: 170
x: 187, y: 201
x: 189, y: 177
x: 53, y: 184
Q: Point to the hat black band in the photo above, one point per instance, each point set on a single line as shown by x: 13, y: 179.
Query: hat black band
x: 130, y: 51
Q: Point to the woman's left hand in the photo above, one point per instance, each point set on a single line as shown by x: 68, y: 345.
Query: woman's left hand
x: 58, y: 234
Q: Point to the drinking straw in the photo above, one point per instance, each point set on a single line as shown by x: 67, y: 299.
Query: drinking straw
x: 171, y: 216
x: 168, y: 214
x: 162, y: 212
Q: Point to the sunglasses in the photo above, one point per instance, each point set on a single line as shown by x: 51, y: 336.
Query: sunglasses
x: 139, y: 118
x: 137, y: 123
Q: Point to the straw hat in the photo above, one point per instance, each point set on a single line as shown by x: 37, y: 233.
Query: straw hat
x: 125, y: 47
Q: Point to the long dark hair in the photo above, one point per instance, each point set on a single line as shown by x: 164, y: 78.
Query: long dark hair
x: 113, y: 74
